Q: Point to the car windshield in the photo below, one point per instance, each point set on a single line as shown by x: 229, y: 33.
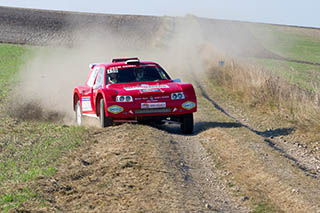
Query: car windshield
x: 137, y: 74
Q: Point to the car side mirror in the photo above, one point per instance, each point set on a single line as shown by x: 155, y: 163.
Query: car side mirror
x: 177, y: 80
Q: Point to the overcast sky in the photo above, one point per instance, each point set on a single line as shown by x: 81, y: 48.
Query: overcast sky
x: 290, y: 12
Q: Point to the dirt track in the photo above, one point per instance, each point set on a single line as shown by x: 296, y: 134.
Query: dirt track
x: 226, y: 166
x: 156, y: 171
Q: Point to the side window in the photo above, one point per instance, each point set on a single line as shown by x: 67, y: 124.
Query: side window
x: 93, y: 76
x: 99, y: 81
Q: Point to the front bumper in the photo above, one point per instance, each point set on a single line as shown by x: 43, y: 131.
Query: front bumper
x: 118, y: 110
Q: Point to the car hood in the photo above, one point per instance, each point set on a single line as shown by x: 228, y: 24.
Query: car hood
x: 146, y: 88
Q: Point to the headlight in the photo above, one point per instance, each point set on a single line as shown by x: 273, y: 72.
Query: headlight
x: 124, y: 98
x: 177, y: 96
x: 128, y: 98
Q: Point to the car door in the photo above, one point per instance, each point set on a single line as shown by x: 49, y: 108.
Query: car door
x: 87, y: 97
x: 98, y: 84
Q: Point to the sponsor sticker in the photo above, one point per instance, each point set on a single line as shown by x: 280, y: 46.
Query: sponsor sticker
x: 127, y: 66
x: 86, y: 104
x: 150, y: 90
x: 188, y: 105
x: 153, y: 105
x: 146, y: 87
x: 162, y: 97
x: 115, y: 109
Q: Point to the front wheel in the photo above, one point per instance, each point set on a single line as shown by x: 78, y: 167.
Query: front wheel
x: 78, y: 114
x: 187, y: 123
x: 104, y: 120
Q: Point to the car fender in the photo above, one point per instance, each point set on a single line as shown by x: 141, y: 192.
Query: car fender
x: 188, y: 91
x: 108, y: 95
x: 77, y: 94
x: 190, y: 94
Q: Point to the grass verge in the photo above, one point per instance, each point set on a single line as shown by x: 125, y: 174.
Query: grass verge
x: 263, y: 90
x: 303, y: 75
x: 263, y: 207
x: 290, y: 42
x: 28, y: 149
x: 16, y: 199
x: 11, y: 58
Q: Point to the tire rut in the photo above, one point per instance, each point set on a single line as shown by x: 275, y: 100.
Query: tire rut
x: 264, y: 134
x: 199, y: 174
x: 270, y: 171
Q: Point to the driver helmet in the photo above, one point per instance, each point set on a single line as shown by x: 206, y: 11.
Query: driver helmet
x: 112, y: 75
x: 139, y: 73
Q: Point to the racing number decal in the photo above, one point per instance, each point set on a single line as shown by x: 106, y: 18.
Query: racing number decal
x: 112, y: 70
x: 86, y: 104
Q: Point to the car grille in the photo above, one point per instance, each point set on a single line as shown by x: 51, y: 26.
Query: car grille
x: 146, y: 111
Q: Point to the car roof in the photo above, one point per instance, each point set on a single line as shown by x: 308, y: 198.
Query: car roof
x: 123, y: 62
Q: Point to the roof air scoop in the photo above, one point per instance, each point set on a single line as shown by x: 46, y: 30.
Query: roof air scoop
x: 133, y: 62
x: 116, y: 60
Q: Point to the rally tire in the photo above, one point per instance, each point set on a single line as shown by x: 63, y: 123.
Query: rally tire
x: 187, y: 124
x: 104, y: 120
x: 78, y: 111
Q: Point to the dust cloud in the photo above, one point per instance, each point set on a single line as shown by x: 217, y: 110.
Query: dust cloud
x: 47, y: 81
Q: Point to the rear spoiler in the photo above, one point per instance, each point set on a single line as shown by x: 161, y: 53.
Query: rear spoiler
x: 116, y: 60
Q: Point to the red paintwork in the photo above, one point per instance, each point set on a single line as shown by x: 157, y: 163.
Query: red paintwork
x: 109, y: 93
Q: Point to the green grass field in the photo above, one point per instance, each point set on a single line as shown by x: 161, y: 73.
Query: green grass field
x: 292, y: 43
x: 28, y: 149
x: 304, y: 75
x: 11, y: 58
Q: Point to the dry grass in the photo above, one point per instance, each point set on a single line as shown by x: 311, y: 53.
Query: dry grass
x: 253, y: 169
x: 259, y: 88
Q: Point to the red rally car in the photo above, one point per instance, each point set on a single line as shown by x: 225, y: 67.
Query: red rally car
x: 132, y: 90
